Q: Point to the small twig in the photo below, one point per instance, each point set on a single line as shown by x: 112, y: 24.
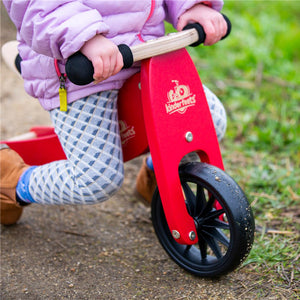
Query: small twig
x: 280, y: 82
x: 283, y: 273
x: 293, y: 194
x: 282, y: 297
x: 291, y: 278
x: 259, y: 75
x: 247, y: 291
x: 273, y: 231
x: 284, y: 232
x: 58, y: 243
x: 296, y: 258
x: 249, y: 288
x: 264, y: 195
x: 75, y: 233
x: 249, y: 85
x: 244, y: 286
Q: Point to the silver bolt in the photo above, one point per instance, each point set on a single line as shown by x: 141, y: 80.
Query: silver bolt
x: 140, y: 86
x: 176, y: 234
x: 189, y: 136
x: 192, y: 235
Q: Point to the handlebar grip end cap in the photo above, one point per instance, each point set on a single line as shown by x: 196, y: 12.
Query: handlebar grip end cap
x: 127, y: 55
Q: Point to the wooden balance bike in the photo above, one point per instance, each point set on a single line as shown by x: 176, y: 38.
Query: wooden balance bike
x: 200, y: 214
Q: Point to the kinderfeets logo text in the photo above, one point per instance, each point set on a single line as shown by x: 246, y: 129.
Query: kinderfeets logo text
x: 179, y: 99
x: 126, y: 132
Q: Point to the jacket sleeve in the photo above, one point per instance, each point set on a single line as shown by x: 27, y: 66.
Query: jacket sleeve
x: 174, y: 9
x: 54, y: 28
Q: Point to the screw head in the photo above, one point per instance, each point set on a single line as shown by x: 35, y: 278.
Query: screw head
x: 192, y: 235
x: 189, y: 136
x: 175, y: 234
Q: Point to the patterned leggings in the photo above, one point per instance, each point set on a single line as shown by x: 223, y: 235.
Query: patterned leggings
x: 89, y: 135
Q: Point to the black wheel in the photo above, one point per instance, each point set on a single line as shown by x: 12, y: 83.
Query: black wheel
x: 225, y: 234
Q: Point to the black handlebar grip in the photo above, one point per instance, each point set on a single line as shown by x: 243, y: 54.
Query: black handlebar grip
x: 80, y: 69
x: 201, y: 33
x: 127, y: 56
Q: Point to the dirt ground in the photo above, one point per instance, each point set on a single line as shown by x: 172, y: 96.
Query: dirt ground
x: 105, y: 251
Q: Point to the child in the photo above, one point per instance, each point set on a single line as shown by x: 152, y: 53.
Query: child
x: 48, y: 33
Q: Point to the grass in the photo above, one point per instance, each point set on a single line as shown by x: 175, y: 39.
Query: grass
x: 255, y: 72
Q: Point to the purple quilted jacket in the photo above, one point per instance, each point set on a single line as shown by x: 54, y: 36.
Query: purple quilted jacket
x: 49, y: 30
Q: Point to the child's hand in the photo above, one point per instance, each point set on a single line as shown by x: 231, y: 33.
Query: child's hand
x: 213, y: 23
x: 104, y: 55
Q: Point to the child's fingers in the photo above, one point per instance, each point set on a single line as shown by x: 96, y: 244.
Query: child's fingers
x: 111, y: 64
x: 104, y: 56
x: 119, y: 63
x: 215, y: 30
x: 98, y: 68
x: 213, y: 33
x: 210, y: 32
x: 107, y: 65
x: 181, y: 24
x: 213, y: 22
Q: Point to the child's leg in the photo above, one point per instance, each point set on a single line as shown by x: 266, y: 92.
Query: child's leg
x: 217, y: 111
x: 93, y: 171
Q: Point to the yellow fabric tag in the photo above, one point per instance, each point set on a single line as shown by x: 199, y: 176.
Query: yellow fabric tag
x: 63, y: 99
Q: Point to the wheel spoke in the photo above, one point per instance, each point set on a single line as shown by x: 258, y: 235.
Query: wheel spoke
x: 217, y: 224
x: 214, y: 214
x: 208, y: 207
x: 213, y: 245
x: 200, y: 200
x: 202, y: 246
x: 218, y: 235
x: 190, y: 198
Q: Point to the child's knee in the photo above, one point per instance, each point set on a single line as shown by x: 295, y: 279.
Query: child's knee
x: 113, y: 186
x: 100, y: 187
x: 217, y: 111
x: 220, y: 120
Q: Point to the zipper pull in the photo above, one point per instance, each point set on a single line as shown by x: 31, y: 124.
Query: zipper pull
x: 63, y: 93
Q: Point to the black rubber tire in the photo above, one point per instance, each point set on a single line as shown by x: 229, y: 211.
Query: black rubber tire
x: 222, y: 246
